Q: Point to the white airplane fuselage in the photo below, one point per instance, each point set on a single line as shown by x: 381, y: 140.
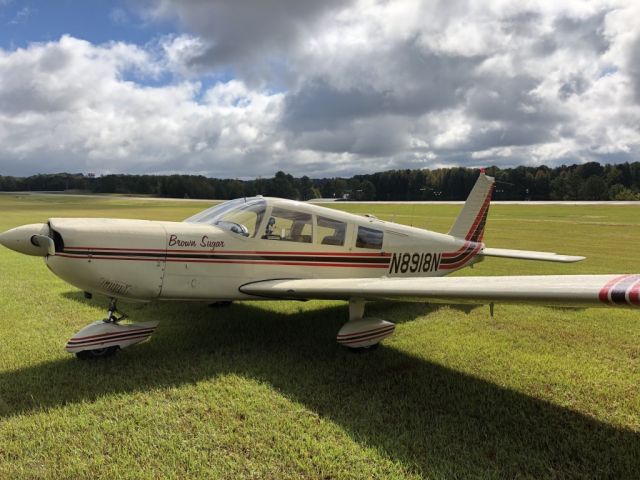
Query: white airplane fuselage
x: 147, y: 260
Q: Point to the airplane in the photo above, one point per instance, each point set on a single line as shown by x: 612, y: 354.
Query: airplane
x: 261, y: 248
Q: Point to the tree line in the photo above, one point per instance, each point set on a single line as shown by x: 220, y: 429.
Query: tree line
x: 588, y: 181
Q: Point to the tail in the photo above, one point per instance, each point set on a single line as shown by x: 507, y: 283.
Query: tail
x: 471, y: 220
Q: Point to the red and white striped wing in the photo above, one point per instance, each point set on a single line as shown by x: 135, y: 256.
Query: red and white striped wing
x: 588, y: 290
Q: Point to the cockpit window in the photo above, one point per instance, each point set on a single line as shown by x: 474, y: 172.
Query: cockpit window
x: 241, y: 216
x: 330, y: 231
x: 369, y: 238
x: 288, y: 225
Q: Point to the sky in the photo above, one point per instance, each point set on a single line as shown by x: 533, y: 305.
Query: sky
x: 242, y: 89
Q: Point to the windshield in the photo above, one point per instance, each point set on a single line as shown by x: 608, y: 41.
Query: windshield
x: 241, y: 216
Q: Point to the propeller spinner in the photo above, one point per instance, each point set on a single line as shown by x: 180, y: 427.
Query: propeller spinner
x: 30, y: 239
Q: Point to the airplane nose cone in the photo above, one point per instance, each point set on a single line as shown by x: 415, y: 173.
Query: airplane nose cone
x: 21, y: 239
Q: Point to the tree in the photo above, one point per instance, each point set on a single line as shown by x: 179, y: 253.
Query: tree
x: 619, y: 192
x: 594, y: 189
x: 368, y: 190
x: 307, y: 190
x: 282, y: 186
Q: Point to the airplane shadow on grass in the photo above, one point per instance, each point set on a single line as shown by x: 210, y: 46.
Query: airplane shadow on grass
x: 443, y: 422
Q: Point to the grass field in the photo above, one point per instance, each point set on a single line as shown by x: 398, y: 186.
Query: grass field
x: 263, y: 391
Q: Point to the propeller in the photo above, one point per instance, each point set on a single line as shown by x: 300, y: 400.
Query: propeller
x: 45, y: 243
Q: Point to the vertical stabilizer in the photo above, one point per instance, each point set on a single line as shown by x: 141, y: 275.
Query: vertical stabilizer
x: 471, y: 220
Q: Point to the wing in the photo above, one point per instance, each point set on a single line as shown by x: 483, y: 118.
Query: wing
x: 562, y: 290
x: 529, y: 255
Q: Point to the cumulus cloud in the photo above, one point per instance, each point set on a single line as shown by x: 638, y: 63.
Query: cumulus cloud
x: 323, y: 88
x: 69, y: 105
x: 241, y: 33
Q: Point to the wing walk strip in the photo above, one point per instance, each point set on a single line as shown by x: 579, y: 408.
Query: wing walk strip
x: 321, y: 259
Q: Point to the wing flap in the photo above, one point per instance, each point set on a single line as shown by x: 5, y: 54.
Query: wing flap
x: 530, y: 255
x: 560, y: 290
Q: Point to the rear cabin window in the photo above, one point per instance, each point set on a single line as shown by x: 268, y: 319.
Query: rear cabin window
x: 330, y: 232
x: 369, y: 238
x: 289, y: 226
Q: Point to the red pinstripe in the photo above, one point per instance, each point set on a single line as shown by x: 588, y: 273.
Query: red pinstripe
x: 246, y: 252
x: 360, y: 340
x: 476, y: 222
x: 243, y: 262
x: 347, y: 336
x: 109, y: 334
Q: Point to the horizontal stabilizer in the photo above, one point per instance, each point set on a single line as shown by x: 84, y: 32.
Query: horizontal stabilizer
x: 529, y: 255
x: 558, y: 290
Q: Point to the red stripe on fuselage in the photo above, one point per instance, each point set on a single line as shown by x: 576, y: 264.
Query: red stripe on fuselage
x: 96, y: 257
x: 460, y: 251
x: 219, y: 251
x: 463, y: 260
x: 242, y: 262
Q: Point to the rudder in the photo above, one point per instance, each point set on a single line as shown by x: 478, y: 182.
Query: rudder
x: 471, y: 220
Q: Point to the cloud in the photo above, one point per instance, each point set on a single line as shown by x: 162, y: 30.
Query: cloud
x: 21, y: 15
x: 237, y: 34
x: 322, y: 88
x: 119, y: 16
x: 67, y: 105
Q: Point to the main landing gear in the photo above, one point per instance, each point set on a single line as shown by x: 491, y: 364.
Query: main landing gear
x: 105, y: 337
x: 361, y: 334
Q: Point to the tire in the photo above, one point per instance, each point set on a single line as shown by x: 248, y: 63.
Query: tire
x: 370, y: 348
x: 221, y: 304
x: 97, y: 353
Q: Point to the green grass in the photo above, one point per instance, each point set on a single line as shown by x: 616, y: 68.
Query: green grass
x: 261, y: 390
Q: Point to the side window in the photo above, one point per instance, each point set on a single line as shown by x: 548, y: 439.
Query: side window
x: 330, y: 232
x: 243, y: 221
x: 289, y: 226
x: 369, y: 238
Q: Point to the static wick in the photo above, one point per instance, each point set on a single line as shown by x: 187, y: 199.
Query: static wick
x: 491, y: 309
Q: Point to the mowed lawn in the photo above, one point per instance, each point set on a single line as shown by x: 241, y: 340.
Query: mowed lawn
x: 262, y: 390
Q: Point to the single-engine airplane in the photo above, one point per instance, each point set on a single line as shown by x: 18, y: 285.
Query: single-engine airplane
x: 269, y: 248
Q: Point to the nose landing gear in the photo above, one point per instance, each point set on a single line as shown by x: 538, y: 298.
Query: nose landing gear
x: 105, y: 337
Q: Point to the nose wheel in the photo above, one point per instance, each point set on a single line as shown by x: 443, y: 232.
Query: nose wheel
x: 97, y: 353
x: 105, y: 337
